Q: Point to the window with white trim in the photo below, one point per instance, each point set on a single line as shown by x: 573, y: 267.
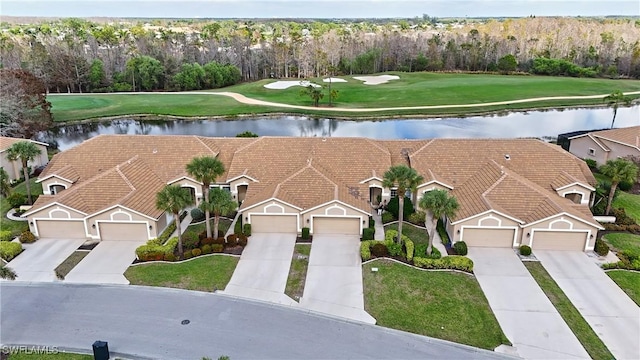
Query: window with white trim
x: 592, y: 151
x: 394, y: 192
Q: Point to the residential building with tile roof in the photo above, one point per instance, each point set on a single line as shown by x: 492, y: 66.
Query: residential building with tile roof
x: 606, y: 145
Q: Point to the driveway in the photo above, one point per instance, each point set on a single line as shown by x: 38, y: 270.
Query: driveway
x: 38, y: 260
x: 524, y: 312
x: 607, y: 309
x: 334, y: 278
x: 263, y: 268
x: 106, y: 263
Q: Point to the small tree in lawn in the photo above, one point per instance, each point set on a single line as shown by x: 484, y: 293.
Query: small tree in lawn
x: 440, y: 204
x: 315, y: 93
x: 24, y: 151
x: 614, y: 100
x: 173, y: 199
x: 219, y: 203
x: 619, y: 170
x: 205, y: 169
x: 403, y: 178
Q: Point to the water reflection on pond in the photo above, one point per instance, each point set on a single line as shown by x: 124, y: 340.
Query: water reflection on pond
x: 542, y: 124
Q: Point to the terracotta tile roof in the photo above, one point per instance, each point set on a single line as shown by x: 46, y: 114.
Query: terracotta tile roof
x: 6, y: 142
x: 67, y: 172
x: 629, y: 135
x: 565, y: 179
x: 400, y: 150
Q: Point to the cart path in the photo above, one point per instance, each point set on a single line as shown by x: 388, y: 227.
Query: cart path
x: 251, y: 101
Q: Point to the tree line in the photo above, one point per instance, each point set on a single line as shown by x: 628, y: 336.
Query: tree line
x: 75, y: 55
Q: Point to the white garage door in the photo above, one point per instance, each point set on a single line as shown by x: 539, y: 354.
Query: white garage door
x: 61, y: 229
x: 559, y: 240
x: 336, y: 225
x: 123, y: 231
x: 488, y: 237
x: 274, y: 223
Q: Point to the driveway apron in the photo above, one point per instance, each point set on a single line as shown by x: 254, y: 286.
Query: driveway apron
x: 527, y: 317
x: 334, y: 278
x: 263, y: 268
x: 38, y: 260
x: 106, y: 263
x: 605, y: 307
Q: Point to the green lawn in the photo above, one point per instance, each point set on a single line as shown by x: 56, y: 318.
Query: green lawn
x: 624, y: 241
x: 419, y: 236
x: 17, y: 227
x: 444, y: 305
x: 58, y: 356
x: 413, y: 89
x: 36, y: 188
x: 630, y: 203
x: 298, y: 271
x: 628, y: 281
x: 204, y: 273
x: 223, y: 226
x: 587, y: 337
x: 69, y: 263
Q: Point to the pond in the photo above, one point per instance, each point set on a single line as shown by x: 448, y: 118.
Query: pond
x: 545, y: 124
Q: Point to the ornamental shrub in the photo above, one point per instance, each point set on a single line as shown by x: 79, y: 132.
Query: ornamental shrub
x: 188, y: 255
x: 153, y: 251
x: 232, y: 240
x: 448, y: 262
x: 409, y: 249
x: 305, y: 233
x: 9, y: 250
x: 197, y: 215
x: 27, y: 237
x: 601, y: 248
x: 443, y: 233
x: 365, y: 249
x: 372, y: 222
x: 242, y: 240
x: 592, y: 164
x: 237, y: 227
x: 387, y: 217
x: 190, y: 240
x: 246, y: 229
x: 6, y: 235
x: 219, y: 241
x: 217, y: 248
x: 460, y: 248
x: 16, y: 200
x: 167, y: 232
x: 418, y: 217
x: 368, y: 233
x: 395, y: 249
x: 169, y: 257
x: 393, y: 207
x: 379, y: 250
x: 207, y: 241
x: 525, y: 250
x: 196, y: 252
x: 206, y: 249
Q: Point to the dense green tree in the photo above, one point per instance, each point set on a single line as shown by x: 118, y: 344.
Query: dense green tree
x: 24, y: 151
x: 190, y: 77
x: 24, y: 109
x: 619, y: 170
x: 97, y: 76
x: 507, y: 63
x: 145, y: 72
x: 247, y: 134
x: 402, y: 178
x: 439, y: 203
x: 173, y: 199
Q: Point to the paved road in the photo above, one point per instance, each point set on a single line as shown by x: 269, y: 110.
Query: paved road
x: 146, y: 323
x: 106, y: 263
x: 334, y: 278
x: 524, y: 312
x: 607, y: 309
x: 38, y: 260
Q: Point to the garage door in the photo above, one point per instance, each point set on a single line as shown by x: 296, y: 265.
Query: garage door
x: 123, y: 231
x: 274, y: 223
x: 336, y: 225
x: 559, y: 240
x: 59, y: 229
x: 488, y: 237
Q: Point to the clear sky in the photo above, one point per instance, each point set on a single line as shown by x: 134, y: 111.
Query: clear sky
x: 315, y: 8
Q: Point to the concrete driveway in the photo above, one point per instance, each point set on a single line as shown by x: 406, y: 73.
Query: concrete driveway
x: 607, y: 309
x: 263, y: 268
x: 38, y: 261
x: 334, y: 278
x: 524, y: 312
x: 106, y: 263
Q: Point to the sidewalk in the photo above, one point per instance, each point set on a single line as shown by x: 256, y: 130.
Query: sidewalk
x: 183, y: 225
x: 379, y: 235
x: 437, y: 240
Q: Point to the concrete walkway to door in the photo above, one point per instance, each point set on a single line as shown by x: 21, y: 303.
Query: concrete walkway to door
x: 106, y: 263
x: 527, y: 317
x: 263, y: 268
x: 605, y: 307
x: 334, y: 278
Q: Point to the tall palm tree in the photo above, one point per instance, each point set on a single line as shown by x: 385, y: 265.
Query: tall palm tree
x: 205, y: 169
x: 440, y: 204
x: 5, y: 186
x: 7, y: 273
x: 173, y: 199
x: 403, y: 178
x: 614, y: 100
x: 619, y: 170
x: 24, y: 151
x: 219, y: 203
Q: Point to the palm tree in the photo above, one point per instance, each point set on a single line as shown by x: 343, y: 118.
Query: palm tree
x: 403, y: 178
x: 7, y: 273
x: 614, y: 100
x: 205, y: 169
x: 173, y: 199
x: 440, y: 204
x: 219, y: 203
x: 619, y: 170
x: 25, y: 151
x: 5, y: 186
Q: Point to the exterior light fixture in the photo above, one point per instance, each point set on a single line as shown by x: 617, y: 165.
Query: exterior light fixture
x: 528, y: 234
x: 93, y: 226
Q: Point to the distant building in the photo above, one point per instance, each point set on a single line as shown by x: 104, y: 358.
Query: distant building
x: 602, y: 145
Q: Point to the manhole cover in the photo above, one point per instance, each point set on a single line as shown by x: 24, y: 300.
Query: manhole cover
x: 185, y: 322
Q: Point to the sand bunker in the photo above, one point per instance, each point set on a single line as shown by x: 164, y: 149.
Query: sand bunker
x: 376, y: 80
x: 334, y: 80
x: 280, y: 85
